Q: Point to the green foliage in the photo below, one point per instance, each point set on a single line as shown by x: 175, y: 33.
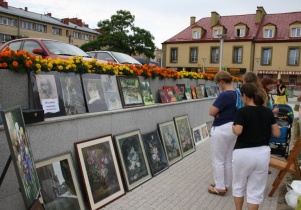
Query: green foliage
x: 120, y: 35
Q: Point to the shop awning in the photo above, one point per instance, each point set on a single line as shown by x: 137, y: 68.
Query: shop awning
x: 281, y: 72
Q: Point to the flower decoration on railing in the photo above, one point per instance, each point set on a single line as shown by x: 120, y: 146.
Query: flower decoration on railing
x: 22, y: 61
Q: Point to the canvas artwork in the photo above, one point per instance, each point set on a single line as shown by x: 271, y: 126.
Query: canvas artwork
x: 100, y: 171
x: 164, y: 97
x: 181, y: 88
x: 95, y: 98
x: 155, y: 152
x: 204, y: 132
x: 130, y: 91
x: 47, y: 94
x: 147, y: 94
x: 210, y: 91
x: 217, y: 90
x: 184, y: 134
x: 209, y: 125
x: 193, y: 92
x: 188, y: 93
x: 179, y: 95
x: 111, y: 93
x: 199, y: 92
x: 171, y: 93
x: 21, y: 155
x: 170, y: 141
x: 133, y: 158
x: 197, y: 135
x: 59, y: 184
x: 72, y: 93
x: 203, y: 89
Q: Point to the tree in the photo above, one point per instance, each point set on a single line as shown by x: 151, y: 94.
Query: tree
x: 121, y: 35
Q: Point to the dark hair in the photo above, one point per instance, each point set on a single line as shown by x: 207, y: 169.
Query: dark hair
x: 280, y: 80
x: 251, y: 91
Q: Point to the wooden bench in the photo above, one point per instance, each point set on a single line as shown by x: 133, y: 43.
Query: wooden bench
x: 290, y: 165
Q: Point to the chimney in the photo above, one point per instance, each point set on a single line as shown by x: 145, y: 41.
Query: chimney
x: 25, y: 8
x: 192, y: 20
x: 214, y: 18
x: 48, y: 14
x: 3, y: 4
x: 260, y: 12
x: 65, y: 21
x: 86, y: 25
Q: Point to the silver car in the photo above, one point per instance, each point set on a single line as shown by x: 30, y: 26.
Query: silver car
x: 111, y: 56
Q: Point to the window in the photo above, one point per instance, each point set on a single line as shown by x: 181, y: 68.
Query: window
x: 30, y: 45
x: 8, y: 21
x: 56, y: 31
x: 15, y: 45
x: 240, y: 32
x: 214, y: 55
x: 293, y: 57
x: 268, y: 33
x: 216, y: 32
x: 296, y: 32
x: 75, y: 34
x: 28, y: 25
x: 5, y: 38
x: 237, y: 57
x: 85, y: 37
x: 105, y: 57
x: 174, y: 55
x: 266, y: 56
x: 41, y: 28
x: 196, y: 35
x: 193, y: 55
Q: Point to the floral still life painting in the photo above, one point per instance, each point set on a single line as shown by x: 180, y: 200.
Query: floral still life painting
x: 184, y: 134
x: 133, y: 158
x: 155, y: 152
x: 100, y: 170
x: 170, y: 141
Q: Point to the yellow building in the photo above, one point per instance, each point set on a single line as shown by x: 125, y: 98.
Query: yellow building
x: 18, y: 22
x: 268, y: 44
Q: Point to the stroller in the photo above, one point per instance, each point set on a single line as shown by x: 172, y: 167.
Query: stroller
x: 285, y: 118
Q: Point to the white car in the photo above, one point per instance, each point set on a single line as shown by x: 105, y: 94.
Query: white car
x: 111, y: 56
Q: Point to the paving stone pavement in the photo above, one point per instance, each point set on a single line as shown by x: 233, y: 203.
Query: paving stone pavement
x: 183, y: 186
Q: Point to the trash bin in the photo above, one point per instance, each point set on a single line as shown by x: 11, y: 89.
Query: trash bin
x: 291, y: 89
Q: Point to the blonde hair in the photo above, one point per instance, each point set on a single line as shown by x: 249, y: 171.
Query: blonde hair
x: 223, y: 76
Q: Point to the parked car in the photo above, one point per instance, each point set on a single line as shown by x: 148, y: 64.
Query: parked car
x: 116, y: 57
x: 47, y: 48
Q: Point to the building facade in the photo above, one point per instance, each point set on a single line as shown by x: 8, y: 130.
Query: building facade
x: 268, y: 44
x: 19, y: 22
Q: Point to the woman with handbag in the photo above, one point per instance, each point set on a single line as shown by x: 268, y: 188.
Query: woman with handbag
x: 281, y: 97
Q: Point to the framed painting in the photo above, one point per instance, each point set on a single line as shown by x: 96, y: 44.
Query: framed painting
x: 21, y: 155
x: 196, y: 132
x: 199, y: 92
x: 184, y: 134
x: 210, y: 91
x: 170, y: 142
x: 179, y: 96
x: 47, y: 94
x: 164, y: 97
x: 111, y: 93
x: 130, y: 91
x: 59, y: 184
x: 155, y: 152
x: 209, y: 125
x: 99, y: 170
x: 181, y: 88
x: 193, y: 92
x: 133, y: 158
x: 171, y: 93
x: 217, y: 90
x: 204, y: 132
x: 203, y: 89
x: 94, y: 94
x: 147, y: 94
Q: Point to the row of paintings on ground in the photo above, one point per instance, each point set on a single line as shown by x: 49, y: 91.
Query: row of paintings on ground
x: 109, y: 165
x: 60, y: 94
x: 181, y: 92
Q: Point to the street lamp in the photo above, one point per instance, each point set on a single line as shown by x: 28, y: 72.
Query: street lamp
x: 204, y: 59
x: 221, y: 36
x: 257, y: 65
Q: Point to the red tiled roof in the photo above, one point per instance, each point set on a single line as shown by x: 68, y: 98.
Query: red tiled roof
x: 281, y: 21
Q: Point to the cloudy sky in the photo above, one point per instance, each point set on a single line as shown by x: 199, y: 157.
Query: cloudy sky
x: 163, y: 18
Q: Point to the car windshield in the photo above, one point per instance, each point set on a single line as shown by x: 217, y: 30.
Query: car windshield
x: 61, y: 48
x: 124, y: 58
